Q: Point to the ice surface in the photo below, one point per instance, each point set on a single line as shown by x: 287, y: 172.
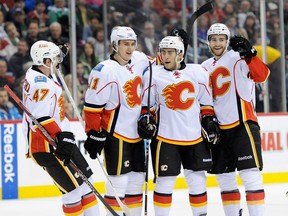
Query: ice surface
x: 276, y: 204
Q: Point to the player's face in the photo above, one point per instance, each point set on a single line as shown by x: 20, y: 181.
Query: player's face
x: 126, y: 49
x: 168, y: 57
x: 218, y: 45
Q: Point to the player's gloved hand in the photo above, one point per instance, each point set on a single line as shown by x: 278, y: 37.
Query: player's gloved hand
x: 210, y: 130
x: 243, y: 46
x: 95, y: 143
x: 146, y: 126
x: 65, y: 142
x: 183, y: 34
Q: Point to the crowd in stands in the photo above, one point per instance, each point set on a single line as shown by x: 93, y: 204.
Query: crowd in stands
x: 22, y: 22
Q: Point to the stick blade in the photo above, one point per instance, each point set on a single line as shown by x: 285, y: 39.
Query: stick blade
x: 203, y: 9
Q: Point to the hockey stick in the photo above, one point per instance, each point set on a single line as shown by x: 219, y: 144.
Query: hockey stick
x: 121, y: 204
x: 52, y: 142
x: 203, y: 9
x: 147, y: 146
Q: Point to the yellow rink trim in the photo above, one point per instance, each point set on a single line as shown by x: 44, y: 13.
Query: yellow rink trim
x: 51, y: 190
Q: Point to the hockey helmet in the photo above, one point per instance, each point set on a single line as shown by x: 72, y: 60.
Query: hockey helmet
x: 41, y: 50
x: 122, y: 33
x: 173, y: 42
x: 218, y: 29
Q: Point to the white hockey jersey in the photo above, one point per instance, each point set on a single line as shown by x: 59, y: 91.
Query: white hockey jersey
x: 113, y: 97
x: 42, y: 96
x: 180, y: 98
x: 232, y: 80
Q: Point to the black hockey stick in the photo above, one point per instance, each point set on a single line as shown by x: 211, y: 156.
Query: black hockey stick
x: 147, y: 146
x: 203, y: 9
x: 52, y: 142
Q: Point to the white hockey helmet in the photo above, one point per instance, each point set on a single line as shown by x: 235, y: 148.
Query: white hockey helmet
x: 122, y: 33
x: 173, y: 42
x: 218, y: 29
x: 41, y: 50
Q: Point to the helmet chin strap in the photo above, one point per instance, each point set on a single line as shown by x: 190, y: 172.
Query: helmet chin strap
x: 178, y: 62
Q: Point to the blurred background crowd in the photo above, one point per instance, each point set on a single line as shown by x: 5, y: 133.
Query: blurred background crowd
x: 23, y: 22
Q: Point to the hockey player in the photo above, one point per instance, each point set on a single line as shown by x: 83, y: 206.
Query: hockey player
x: 182, y: 101
x: 112, y: 107
x: 42, y: 95
x: 232, y: 76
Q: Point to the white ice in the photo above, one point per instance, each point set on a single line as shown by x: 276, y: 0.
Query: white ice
x: 276, y: 204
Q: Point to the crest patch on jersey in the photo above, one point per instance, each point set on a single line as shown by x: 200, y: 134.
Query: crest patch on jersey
x: 98, y: 67
x: 40, y: 79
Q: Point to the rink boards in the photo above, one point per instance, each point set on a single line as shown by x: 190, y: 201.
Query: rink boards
x: 22, y: 178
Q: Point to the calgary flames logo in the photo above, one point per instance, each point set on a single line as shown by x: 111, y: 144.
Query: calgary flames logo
x: 178, y: 96
x: 131, y: 89
x: 220, y: 81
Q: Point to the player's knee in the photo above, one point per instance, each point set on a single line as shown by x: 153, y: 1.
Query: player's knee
x: 227, y: 181
x: 196, y: 181
x: 85, y: 189
x: 120, y: 183
x: 73, y: 196
x: 252, y: 179
x: 165, y: 184
x: 136, y: 180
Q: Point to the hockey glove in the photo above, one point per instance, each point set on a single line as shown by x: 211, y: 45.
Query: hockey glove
x: 243, y: 46
x: 95, y: 143
x: 65, y: 145
x: 146, y: 126
x: 210, y: 129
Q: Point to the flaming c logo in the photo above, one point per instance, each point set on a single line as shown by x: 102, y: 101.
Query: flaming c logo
x: 131, y: 89
x: 174, y: 96
x: 220, y: 81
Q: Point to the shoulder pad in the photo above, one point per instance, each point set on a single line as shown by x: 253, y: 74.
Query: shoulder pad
x: 98, y: 67
x: 40, y: 79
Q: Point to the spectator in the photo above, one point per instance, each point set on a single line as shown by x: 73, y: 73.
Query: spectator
x: 20, y: 22
x: 18, y: 60
x: 41, y: 16
x: 8, y: 111
x: 5, y: 76
x: 83, y: 81
x: 273, y: 30
x: 88, y: 58
x: 149, y: 39
x: 202, y: 28
x: 57, y: 10
x: 2, y: 23
x: 244, y: 8
x: 231, y: 23
x: 55, y: 32
x: 18, y: 4
x: 30, y: 5
x: 229, y: 9
x: 33, y: 34
x: 55, y: 36
x: 83, y: 12
x: 12, y: 38
x: 3, y: 44
x: 94, y: 23
x: 250, y: 25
